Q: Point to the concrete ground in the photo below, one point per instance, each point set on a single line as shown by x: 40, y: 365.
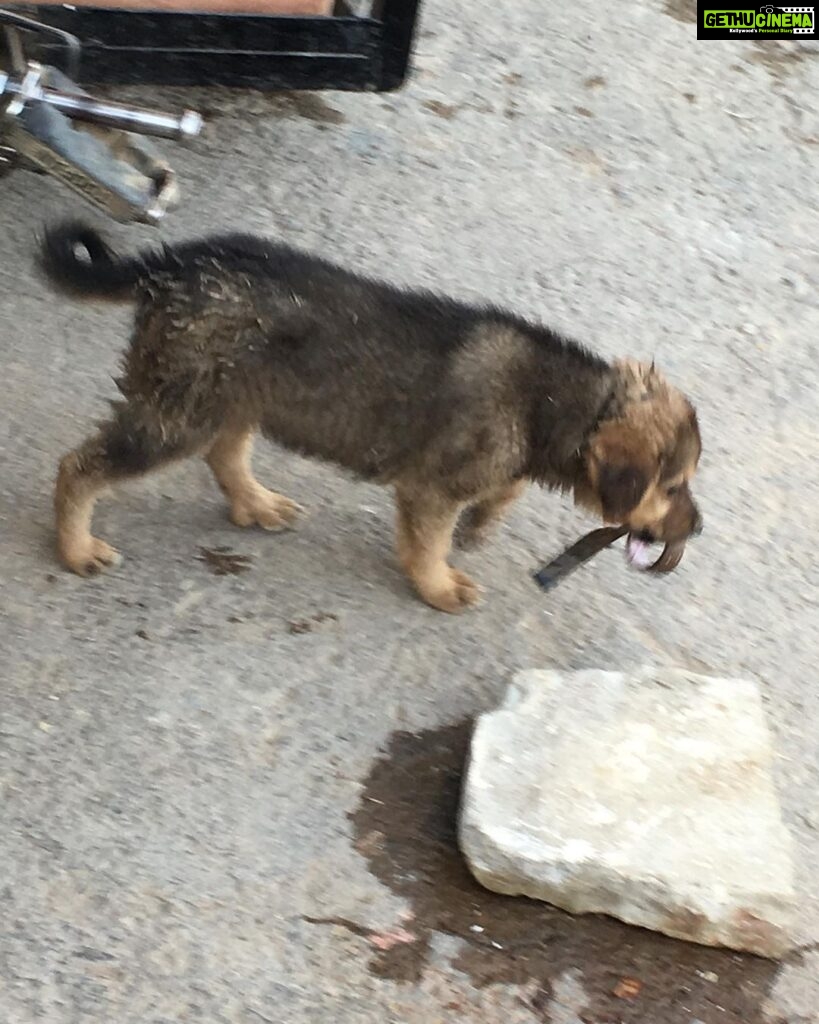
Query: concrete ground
x: 230, y: 797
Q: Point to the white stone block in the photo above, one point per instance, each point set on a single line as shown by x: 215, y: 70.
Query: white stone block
x: 647, y: 796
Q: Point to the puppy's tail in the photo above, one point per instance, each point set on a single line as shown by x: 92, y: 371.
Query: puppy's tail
x: 77, y: 259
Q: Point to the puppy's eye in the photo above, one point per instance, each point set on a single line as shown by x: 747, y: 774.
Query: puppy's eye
x: 674, y: 489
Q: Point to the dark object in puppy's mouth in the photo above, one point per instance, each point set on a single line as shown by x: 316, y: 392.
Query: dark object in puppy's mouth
x: 591, y: 543
x: 575, y: 556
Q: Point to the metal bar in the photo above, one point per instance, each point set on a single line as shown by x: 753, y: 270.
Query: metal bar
x: 14, y: 47
x: 69, y: 41
x: 398, y: 21
x: 175, y: 31
x: 129, y: 119
x: 81, y: 107
x: 264, y: 71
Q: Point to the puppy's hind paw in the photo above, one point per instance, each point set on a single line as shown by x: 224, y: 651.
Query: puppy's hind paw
x: 265, y: 508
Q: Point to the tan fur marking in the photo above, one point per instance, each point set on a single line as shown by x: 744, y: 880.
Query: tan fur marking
x: 656, y: 421
x: 423, y: 542
x: 74, y: 500
x: 250, y: 503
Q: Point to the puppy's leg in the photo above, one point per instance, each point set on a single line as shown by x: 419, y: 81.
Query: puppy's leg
x: 80, y: 479
x: 424, y: 538
x: 250, y: 503
x: 479, y: 519
x: 127, y: 446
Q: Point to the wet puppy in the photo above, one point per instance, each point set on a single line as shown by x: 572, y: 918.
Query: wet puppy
x: 453, y: 405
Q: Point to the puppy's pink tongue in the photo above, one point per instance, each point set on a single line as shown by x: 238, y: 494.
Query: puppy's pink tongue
x: 638, y: 552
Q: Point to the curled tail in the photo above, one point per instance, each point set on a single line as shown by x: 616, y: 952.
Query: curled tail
x: 76, y: 258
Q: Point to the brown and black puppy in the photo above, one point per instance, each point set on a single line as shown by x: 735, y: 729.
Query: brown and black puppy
x: 455, y: 406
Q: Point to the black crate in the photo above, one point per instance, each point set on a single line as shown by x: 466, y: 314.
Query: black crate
x: 340, y: 51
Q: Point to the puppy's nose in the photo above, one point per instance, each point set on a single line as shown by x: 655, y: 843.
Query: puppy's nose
x: 697, y: 529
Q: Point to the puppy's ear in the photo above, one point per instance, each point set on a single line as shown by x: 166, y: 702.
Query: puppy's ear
x: 620, y: 470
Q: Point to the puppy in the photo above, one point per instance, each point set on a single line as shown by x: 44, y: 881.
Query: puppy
x: 455, y: 406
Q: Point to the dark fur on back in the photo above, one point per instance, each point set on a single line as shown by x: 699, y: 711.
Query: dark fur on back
x: 338, y: 366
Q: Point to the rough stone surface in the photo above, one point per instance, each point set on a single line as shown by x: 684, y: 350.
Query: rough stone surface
x: 646, y: 796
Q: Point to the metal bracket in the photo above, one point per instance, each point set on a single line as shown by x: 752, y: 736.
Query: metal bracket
x: 92, y: 146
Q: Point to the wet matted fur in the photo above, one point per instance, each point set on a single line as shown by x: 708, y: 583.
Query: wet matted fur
x: 453, y: 405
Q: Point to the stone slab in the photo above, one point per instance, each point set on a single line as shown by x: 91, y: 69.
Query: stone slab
x: 648, y: 797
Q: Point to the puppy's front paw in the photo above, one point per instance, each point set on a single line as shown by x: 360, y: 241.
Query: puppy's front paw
x: 89, y: 556
x: 264, y: 508
x: 455, y: 595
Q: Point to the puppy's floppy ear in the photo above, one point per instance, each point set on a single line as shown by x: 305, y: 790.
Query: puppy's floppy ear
x: 620, y: 469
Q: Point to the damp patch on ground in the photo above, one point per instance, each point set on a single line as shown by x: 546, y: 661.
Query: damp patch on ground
x: 405, y: 828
